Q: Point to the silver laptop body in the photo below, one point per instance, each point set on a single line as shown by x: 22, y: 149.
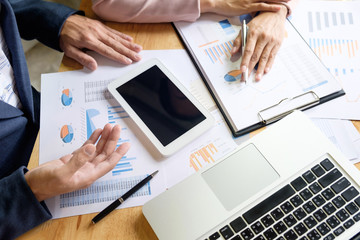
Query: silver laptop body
x: 287, y: 182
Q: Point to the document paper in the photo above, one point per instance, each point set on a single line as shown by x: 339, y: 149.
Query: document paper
x: 331, y: 28
x: 296, y: 69
x: 75, y: 103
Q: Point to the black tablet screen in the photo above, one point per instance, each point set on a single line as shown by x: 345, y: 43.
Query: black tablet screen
x: 164, y: 109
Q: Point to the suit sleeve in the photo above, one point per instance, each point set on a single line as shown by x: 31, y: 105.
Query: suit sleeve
x: 41, y: 20
x: 147, y: 10
x: 20, y: 211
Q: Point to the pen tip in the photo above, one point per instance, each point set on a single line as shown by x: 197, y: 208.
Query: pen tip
x: 154, y: 173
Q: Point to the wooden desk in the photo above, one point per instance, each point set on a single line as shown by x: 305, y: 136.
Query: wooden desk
x: 126, y: 223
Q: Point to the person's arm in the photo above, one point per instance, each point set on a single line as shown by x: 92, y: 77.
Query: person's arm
x: 147, y: 11
x: 63, y: 29
x: 20, y: 211
x: 23, y: 192
x: 79, y: 169
x: 178, y: 10
x: 41, y: 20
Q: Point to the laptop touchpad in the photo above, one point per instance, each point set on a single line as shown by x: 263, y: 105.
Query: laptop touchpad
x: 240, y: 176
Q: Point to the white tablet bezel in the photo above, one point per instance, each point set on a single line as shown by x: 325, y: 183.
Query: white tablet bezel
x: 182, y: 140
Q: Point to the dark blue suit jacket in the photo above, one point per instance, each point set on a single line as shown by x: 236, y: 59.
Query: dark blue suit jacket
x: 19, y: 209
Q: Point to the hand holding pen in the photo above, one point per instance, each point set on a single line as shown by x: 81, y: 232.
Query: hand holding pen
x: 265, y: 33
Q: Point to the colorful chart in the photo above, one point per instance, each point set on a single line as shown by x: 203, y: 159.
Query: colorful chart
x: 67, y: 133
x: 124, y: 165
x: 335, y: 47
x: 227, y: 27
x: 66, y: 97
x: 203, y: 157
x: 216, y: 51
x: 115, y: 113
x: 233, y: 76
x: 90, y: 126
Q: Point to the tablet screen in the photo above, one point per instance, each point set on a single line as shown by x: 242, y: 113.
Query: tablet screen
x: 164, y: 109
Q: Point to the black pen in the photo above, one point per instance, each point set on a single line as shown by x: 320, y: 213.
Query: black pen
x: 120, y: 200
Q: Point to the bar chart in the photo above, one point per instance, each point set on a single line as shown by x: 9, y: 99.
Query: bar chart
x: 203, y: 156
x: 320, y: 21
x: 104, y: 191
x: 217, y: 51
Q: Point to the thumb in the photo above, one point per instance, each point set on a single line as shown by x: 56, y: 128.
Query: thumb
x: 81, y: 157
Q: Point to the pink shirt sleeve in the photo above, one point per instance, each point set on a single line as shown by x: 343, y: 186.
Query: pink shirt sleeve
x: 148, y: 11
x: 151, y: 11
x: 290, y: 6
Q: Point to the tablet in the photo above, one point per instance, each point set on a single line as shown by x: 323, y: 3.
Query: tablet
x: 167, y: 113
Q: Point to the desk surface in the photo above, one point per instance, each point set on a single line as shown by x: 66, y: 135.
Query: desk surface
x: 127, y: 223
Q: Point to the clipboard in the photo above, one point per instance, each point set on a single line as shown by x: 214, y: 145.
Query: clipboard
x: 308, y: 97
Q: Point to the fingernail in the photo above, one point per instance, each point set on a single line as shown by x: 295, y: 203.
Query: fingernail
x: 138, y: 47
x: 128, y: 60
x: 92, y: 66
x: 233, y: 50
x: 243, y: 68
x: 137, y: 57
x: 258, y: 76
x: 267, y: 70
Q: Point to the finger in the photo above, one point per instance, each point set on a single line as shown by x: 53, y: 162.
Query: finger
x: 263, y: 61
x: 105, y: 166
x: 110, y: 144
x: 104, y: 136
x: 271, y: 58
x: 122, y: 47
x: 261, y: 43
x: 92, y: 139
x: 94, y: 136
x: 120, y: 37
x: 80, y: 158
x: 236, y: 45
x: 81, y: 57
x: 120, y: 34
x: 109, y: 52
x: 248, y: 52
x: 130, y: 45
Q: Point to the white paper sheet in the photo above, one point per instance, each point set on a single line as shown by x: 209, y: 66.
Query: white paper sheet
x: 331, y: 28
x: 296, y: 70
x: 75, y: 103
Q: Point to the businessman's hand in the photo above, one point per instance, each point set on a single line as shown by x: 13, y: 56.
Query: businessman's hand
x: 81, y: 33
x: 239, y: 7
x: 79, y: 169
x: 265, y: 35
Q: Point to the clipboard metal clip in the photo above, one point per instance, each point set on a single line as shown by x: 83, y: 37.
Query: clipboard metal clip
x: 287, y: 106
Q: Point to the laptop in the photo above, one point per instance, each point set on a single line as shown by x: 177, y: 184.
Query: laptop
x: 287, y: 182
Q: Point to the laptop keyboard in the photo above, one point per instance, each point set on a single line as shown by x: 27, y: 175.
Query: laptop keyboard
x: 319, y: 204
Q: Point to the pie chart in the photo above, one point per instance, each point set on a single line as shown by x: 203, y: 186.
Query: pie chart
x: 66, y: 97
x: 232, y: 76
x: 67, y: 133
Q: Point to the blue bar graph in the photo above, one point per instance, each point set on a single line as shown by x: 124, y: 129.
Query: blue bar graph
x: 104, y: 191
